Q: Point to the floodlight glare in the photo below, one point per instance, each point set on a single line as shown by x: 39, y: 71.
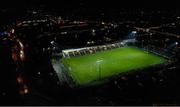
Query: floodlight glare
x: 134, y: 32
x: 176, y: 43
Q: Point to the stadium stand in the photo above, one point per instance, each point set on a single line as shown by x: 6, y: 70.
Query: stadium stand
x: 90, y: 50
x: 94, y: 49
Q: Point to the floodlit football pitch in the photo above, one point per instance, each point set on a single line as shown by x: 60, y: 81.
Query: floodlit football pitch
x: 94, y: 68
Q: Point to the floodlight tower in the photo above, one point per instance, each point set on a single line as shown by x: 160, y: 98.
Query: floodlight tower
x: 99, y: 67
x: 176, y: 44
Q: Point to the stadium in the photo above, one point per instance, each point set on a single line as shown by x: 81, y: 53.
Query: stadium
x: 94, y: 65
x: 128, y: 60
x: 90, y: 62
x: 100, y: 63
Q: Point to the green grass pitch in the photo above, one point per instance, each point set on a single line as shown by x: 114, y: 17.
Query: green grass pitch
x: 92, y: 68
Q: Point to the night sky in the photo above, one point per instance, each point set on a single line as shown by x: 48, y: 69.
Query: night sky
x: 147, y: 4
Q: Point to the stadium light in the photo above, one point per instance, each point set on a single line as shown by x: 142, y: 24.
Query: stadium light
x: 99, y: 68
x: 176, y: 43
x: 134, y: 32
x: 52, y: 42
x: 122, y: 43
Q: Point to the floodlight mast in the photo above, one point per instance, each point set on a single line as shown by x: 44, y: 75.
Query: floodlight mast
x: 99, y: 67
